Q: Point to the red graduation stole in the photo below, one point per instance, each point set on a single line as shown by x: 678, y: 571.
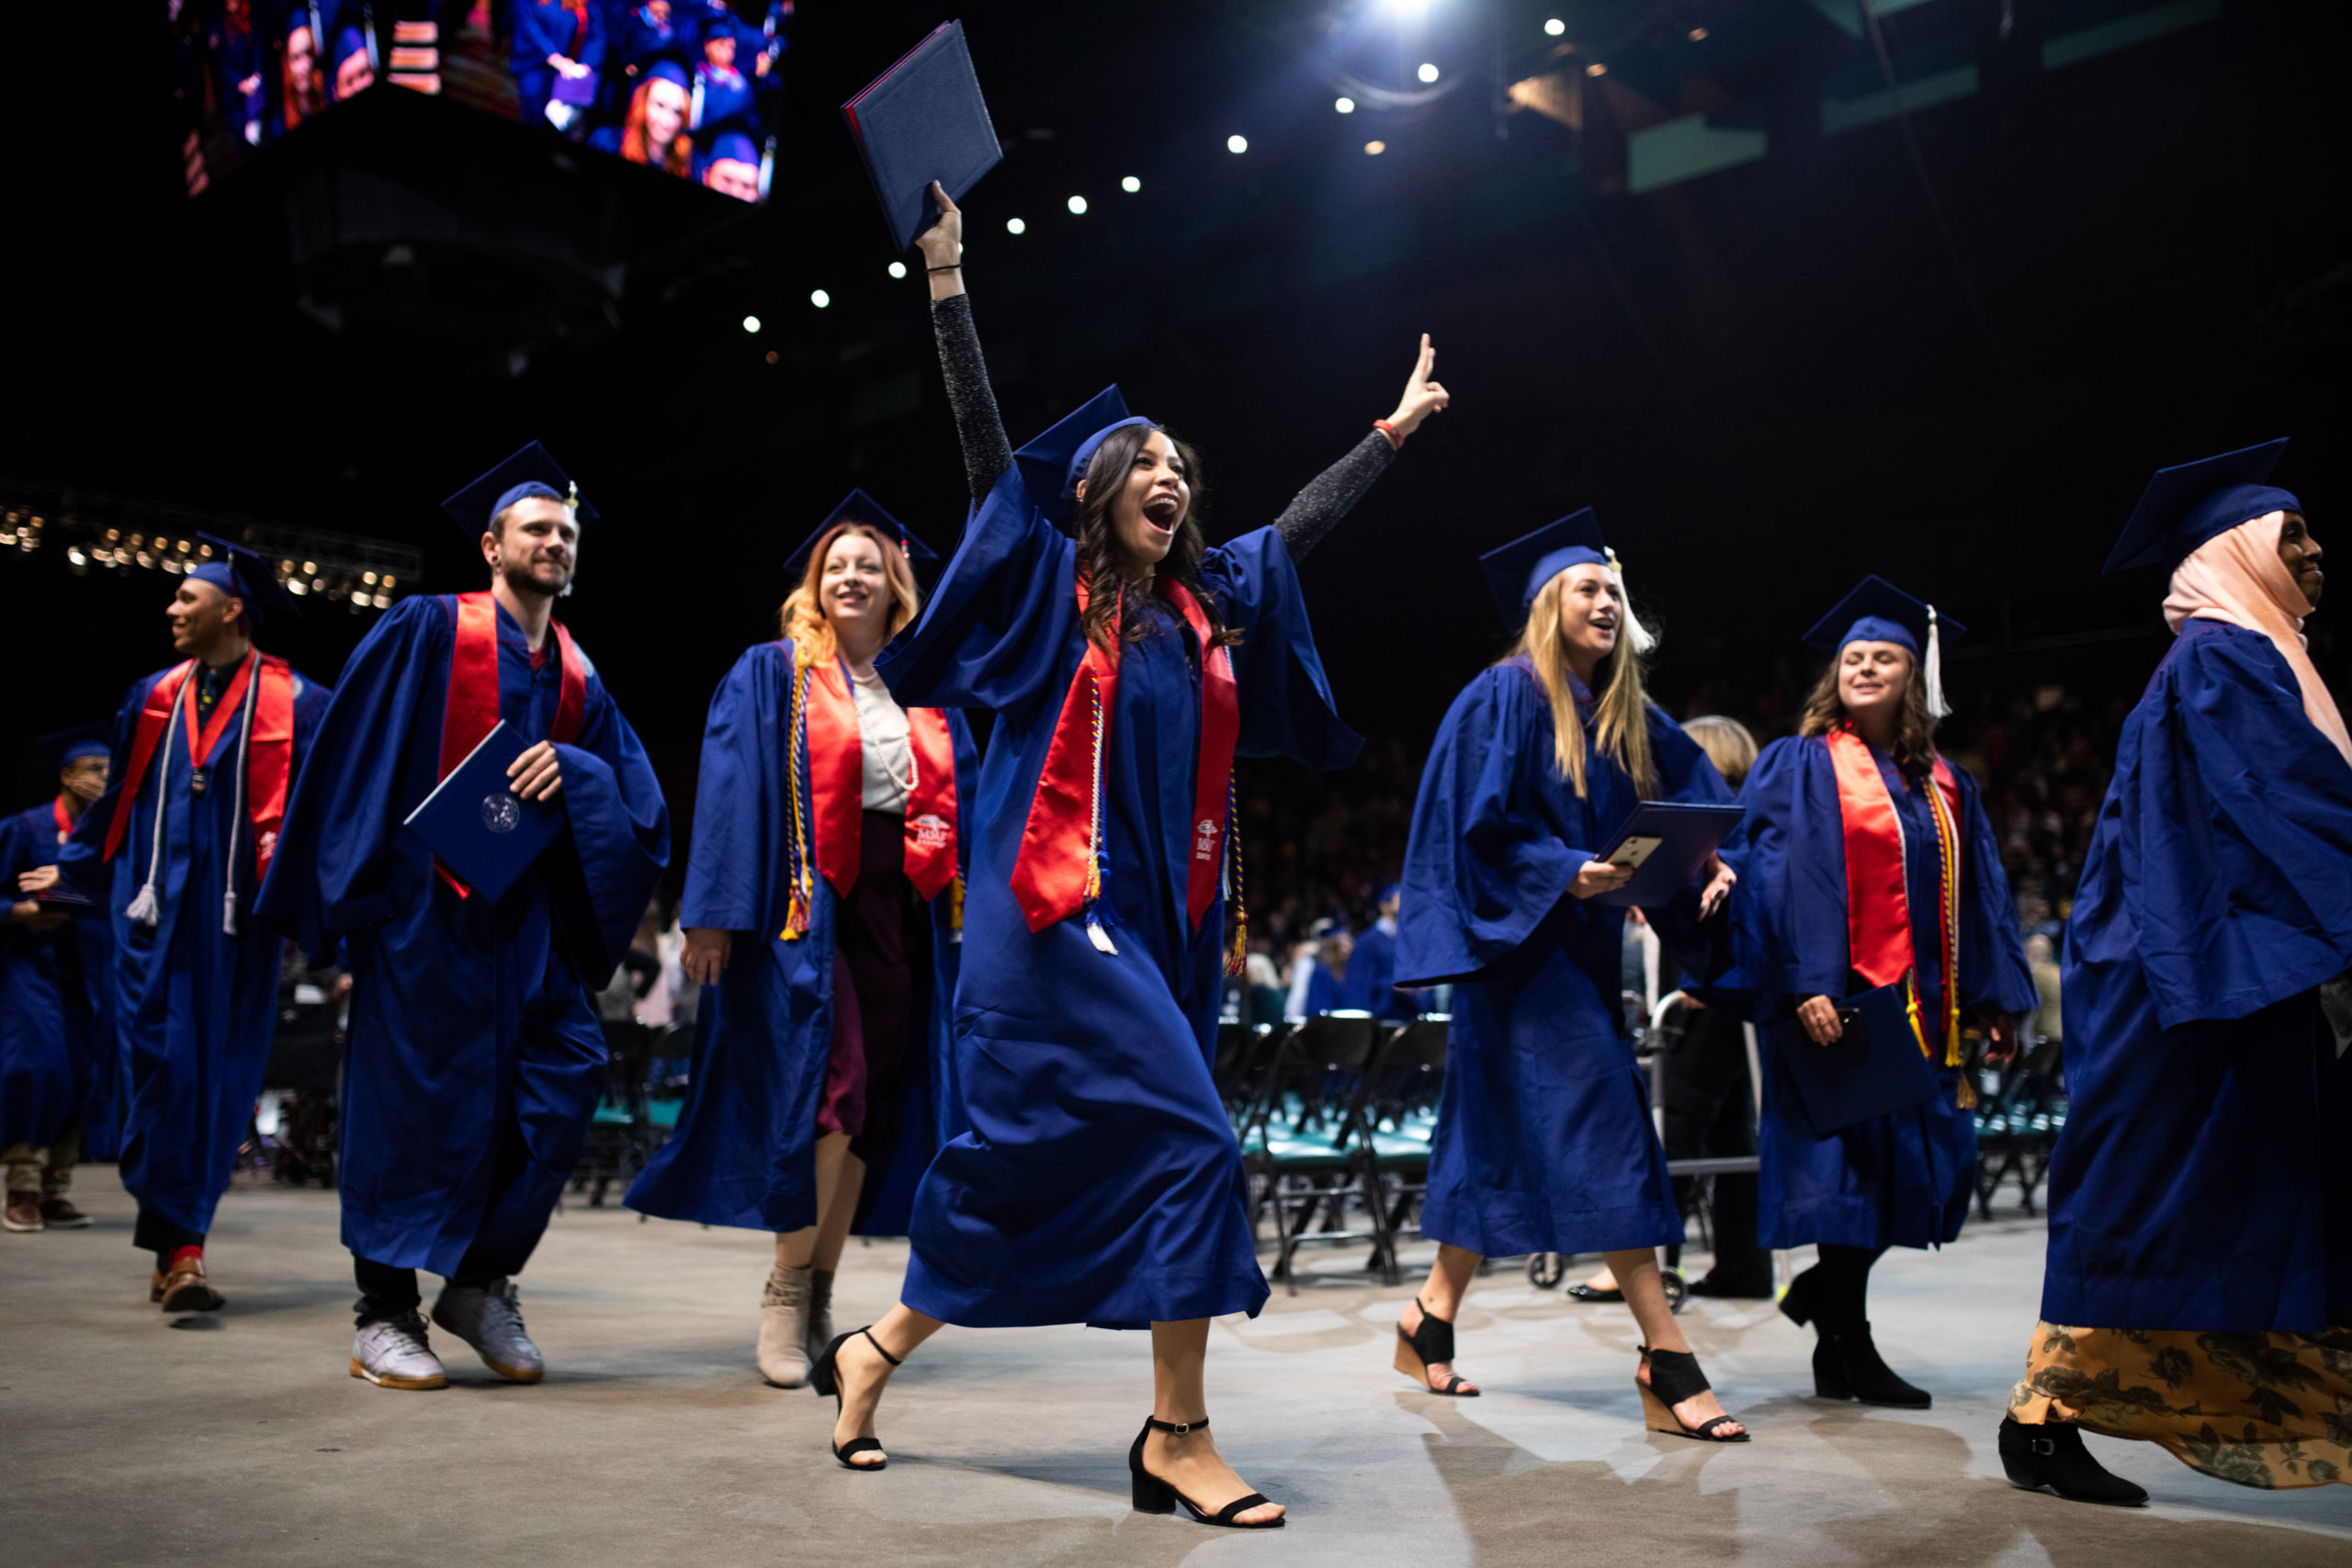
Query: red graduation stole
x: 57, y: 815
x: 473, y: 709
x: 1058, y: 871
x: 1878, y: 905
x: 269, y: 749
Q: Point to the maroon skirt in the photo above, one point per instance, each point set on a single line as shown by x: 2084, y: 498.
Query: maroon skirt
x: 881, y: 940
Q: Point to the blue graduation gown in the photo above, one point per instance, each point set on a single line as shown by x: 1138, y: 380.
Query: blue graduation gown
x: 1543, y: 1140
x: 1369, y: 982
x: 465, y: 1018
x: 1899, y: 1181
x: 2199, y: 1184
x: 744, y: 1151
x: 1101, y: 1180
x: 42, y: 1066
x: 194, y: 1006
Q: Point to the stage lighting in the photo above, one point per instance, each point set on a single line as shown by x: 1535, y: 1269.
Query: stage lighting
x: 1595, y: 69
x: 1553, y: 28
x: 1408, y: 10
x: 751, y: 324
x: 1698, y: 35
x: 1015, y: 226
x: 1236, y: 145
x: 1374, y: 148
x: 1345, y: 106
x: 898, y: 269
x: 1078, y: 205
x: 1428, y: 72
x: 1131, y: 185
x: 820, y: 298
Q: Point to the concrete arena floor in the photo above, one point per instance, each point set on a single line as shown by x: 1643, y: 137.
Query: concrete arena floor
x: 239, y: 1438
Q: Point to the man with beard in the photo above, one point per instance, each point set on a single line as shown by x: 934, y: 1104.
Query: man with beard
x: 476, y: 1056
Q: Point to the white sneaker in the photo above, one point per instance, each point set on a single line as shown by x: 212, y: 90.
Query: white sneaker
x: 488, y: 1318
x: 392, y: 1353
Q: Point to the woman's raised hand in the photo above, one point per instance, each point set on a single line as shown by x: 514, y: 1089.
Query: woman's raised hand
x: 942, y: 243
x: 1423, y: 397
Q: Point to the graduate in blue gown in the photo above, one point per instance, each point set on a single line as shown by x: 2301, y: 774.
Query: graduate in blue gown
x: 2198, y: 1291
x: 1100, y: 1180
x: 1544, y: 1141
x: 57, y: 1077
x: 557, y: 56
x: 1370, y: 984
x: 476, y: 1058
x: 1868, y: 862
x: 203, y: 756
x: 823, y: 914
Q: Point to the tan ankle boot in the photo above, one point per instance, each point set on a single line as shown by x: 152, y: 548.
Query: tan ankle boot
x: 783, y: 1327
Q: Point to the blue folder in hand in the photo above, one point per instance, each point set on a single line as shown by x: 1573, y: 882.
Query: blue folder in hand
x: 924, y: 121
x: 1874, y: 1068
x: 1665, y: 842
x: 476, y: 826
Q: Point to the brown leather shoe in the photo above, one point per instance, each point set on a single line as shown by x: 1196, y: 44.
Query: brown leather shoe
x: 185, y: 1288
x: 22, y: 1213
x: 60, y: 1214
x: 155, y: 1286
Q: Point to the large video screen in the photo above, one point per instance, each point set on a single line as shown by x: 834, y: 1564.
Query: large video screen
x: 687, y: 87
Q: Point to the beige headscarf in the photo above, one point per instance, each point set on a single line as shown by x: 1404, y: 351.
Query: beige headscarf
x: 2237, y: 578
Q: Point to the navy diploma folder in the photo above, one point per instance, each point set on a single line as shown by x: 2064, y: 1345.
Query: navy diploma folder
x: 1875, y: 1067
x: 924, y: 121
x: 477, y: 827
x: 1666, y: 842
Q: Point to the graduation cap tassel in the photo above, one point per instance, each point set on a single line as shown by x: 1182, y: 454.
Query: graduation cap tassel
x: 1637, y: 635
x: 1935, y: 662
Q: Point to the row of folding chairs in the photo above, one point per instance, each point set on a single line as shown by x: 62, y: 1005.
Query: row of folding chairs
x: 1334, y: 1116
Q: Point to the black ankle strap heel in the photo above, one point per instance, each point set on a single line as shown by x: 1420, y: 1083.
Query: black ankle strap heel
x: 825, y: 1378
x: 1153, y: 1496
x: 1430, y: 1344
x: 1675, y: 1377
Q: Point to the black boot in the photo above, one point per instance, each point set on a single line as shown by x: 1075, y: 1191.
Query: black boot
x: 1847, y: 1365
x: 2053, y: 1456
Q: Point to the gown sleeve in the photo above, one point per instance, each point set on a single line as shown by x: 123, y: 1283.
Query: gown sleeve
x: 1483, y: 866
x: 1316, y: 510
x: 1993, y: 974
x: 619, y: 828
x: 1703, y: 948
x: 332, y: 870
x: 2236, y: 835
x: 739, y: 799
x: 1286, y: 706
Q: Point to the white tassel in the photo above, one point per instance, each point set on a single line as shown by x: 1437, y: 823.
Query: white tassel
x: 237, y: 806
x: 147, y: 908
x: 1637, y: 635
x: 1937, y: 708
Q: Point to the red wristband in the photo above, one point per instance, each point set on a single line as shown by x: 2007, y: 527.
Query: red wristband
x: 1395, y: 442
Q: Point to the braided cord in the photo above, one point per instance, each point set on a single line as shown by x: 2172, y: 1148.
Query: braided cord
x: 795, y: 749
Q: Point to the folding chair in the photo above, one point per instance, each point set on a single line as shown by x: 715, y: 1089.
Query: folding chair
x: 1311, y: 1144
x: 1400, y: 1117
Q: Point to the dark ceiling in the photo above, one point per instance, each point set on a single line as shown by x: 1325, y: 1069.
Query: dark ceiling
x: 1949, y: 350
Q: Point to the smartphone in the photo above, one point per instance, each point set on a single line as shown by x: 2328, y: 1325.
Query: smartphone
x: 1635, y: 850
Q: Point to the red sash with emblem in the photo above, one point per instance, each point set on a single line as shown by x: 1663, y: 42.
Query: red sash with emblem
x: 473, y: 709
x: 270, y: 748
x: 1878, y: 903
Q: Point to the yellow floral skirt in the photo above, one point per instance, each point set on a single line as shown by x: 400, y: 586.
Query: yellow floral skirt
x: 2270, y: 1410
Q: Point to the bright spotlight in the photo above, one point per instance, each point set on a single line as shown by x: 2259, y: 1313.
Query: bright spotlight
x: 1078, y: 205
x: 1428, y: 72
x: 820, y: 298
x: 1345, y: 106
x: 751, y: 324
x: 1236, y: 145
x: 1015, y: 226
x: 898, y: 269
x: 1131, y: 185
x: 1553, y: 28
x: 1374, y: 148
x: 1595, y: 69
x: 1698, y: 35
x: 1408, y: 10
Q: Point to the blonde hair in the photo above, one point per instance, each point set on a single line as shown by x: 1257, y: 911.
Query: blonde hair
x: 803, y: 616
x: 1727, y: 744
x: 1623, y: 715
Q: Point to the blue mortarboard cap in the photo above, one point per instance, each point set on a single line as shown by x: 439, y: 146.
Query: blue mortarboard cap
x: 860, y: 507
x: 1516, y: 571
x: 667, y: 69
x: 1046, y: 462
x: 729, y: 142
x: 350, y: 40
x: 1387, y: 891
x: 2185, y: 506
x: 530, y: 472
x: 244, y: 574
x: 69, y: 745
x: 1877, y: 611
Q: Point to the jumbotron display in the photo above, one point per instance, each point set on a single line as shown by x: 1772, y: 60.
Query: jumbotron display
x: 687, y: 87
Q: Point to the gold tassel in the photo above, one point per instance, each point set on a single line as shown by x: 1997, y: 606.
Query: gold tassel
x: 956, y: 905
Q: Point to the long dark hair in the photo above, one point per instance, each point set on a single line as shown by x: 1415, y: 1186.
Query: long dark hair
x: 1100, y: 561
x: 1915, y: 732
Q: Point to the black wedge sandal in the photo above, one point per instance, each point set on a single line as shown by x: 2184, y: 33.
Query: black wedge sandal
x: 825, y: 1378
x: 1153, y: 1496
x: 1432, y: 1345
x: 1675, y: 1377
